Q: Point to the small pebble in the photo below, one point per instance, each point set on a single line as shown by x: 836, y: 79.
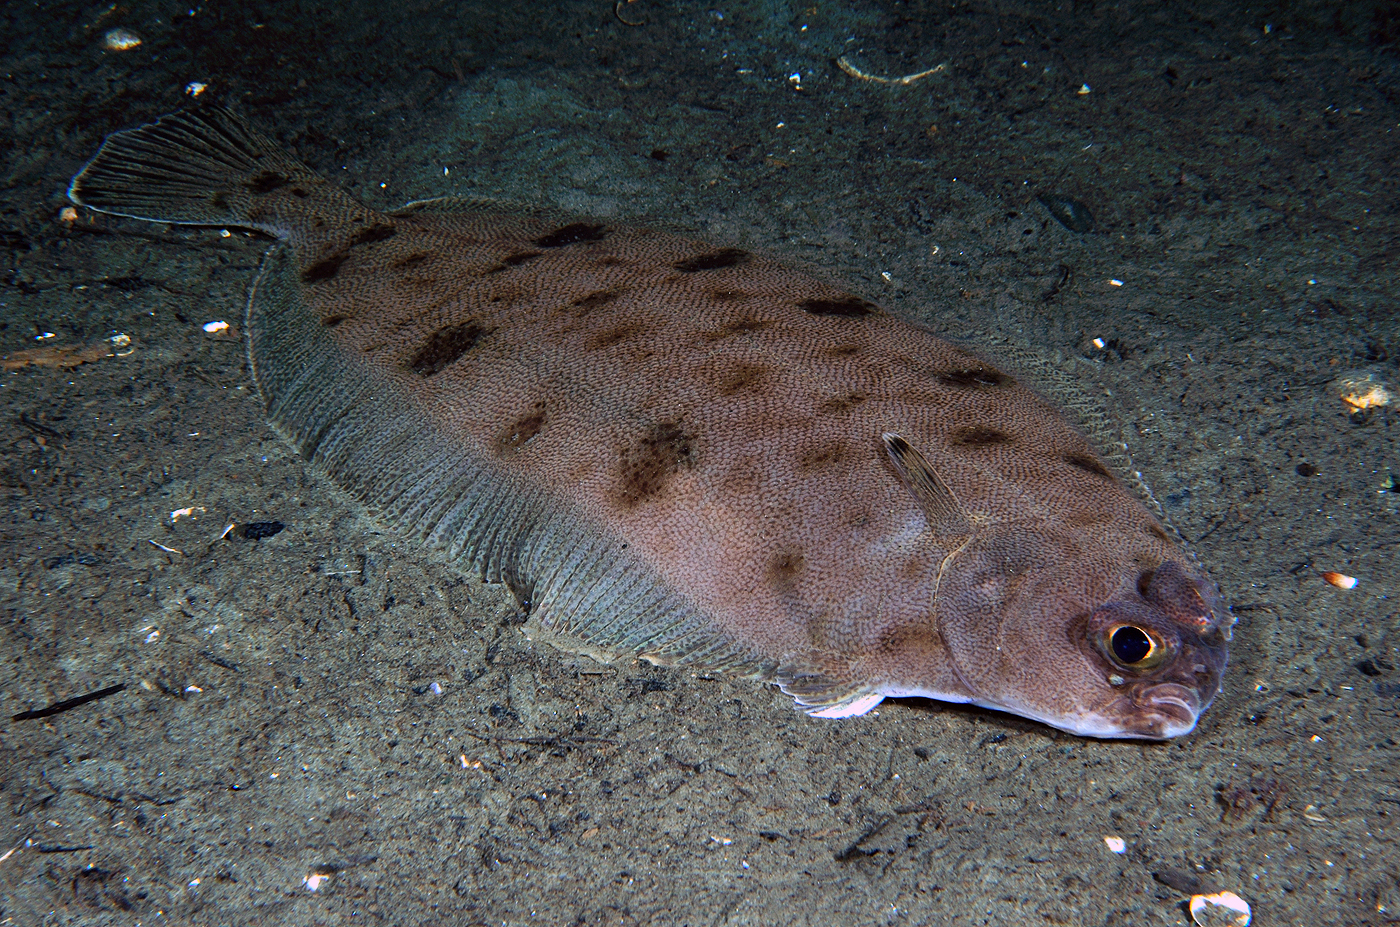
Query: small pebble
x: 120, y: 40
x: 256, y: 531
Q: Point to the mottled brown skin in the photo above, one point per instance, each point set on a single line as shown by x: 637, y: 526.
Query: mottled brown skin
x: 722, y: 413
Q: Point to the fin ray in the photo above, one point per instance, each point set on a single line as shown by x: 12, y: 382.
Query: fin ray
x: 946, y: 516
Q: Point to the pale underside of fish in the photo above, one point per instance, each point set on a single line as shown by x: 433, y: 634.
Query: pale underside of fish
x: 692, y: 454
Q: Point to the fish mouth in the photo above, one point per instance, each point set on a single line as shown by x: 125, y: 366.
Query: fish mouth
x: 1165, y: 709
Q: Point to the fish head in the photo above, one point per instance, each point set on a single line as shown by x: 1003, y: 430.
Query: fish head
x: 1101, y: 639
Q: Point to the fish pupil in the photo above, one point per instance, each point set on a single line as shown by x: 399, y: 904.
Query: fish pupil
x: 1130, y: 645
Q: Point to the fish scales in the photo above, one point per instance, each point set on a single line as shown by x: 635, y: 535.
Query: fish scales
x: 692, y: 453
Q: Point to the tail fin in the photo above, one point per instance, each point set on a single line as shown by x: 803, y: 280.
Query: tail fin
x: 202, y: 167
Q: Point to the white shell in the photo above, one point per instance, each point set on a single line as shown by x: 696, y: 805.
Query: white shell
x: 1223, y: 909
x: 120, y: 40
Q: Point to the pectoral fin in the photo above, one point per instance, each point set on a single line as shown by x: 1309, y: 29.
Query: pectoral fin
x: 823, y: 696
x: 946, y: 516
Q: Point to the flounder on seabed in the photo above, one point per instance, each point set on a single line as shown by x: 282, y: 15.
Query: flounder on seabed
x: 692, y: 454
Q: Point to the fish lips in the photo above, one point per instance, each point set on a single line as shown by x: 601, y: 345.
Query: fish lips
x: 1159, y: 710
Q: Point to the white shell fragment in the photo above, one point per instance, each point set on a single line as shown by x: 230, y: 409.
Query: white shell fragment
x: 1340, y: 580
x: 1223, y: 909
x: 1363, y: 389
x: 1116, y: 844
x: 120, y: 40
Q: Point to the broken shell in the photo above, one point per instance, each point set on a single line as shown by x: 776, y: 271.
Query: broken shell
x: 1362, y: 389
x: 120, y: 40
x: 1223, y: 909
x: 1340, y: 580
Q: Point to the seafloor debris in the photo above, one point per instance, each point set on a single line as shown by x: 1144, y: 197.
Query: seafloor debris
x: 1068, y: 211
x: 120, y: 40
x: 617, y: 11
x: 846, y: 65
x: 1340, y: 580
x: 1223, y: 909
x: 67, y: 355
x: 1362, y: 390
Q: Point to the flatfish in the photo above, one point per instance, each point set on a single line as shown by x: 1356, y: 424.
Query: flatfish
x: 691, y: 454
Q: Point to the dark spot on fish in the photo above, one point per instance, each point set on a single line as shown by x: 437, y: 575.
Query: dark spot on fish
x: 736, y: 327
x: 446, y: 346
x: 511, y: 260
x: 267, y: 181
x: 615, y: 336
x: 518, y: 433
x: 823, y: 455
x: 1156, y: 531
x: 325, y: 268
x: 1088, y: 465
x: 377, y: 232
x: 784, y: 567
x: 842, y: 403
x: 257, y: 530
x: 329, y: 265
x: 846, y: 307
x: 299, y: 193
x: 974, y: 378
x: 978, y: 436
x: 586, y: 304
x: 574, y: 234
x: 334, y: 319
x: 610, y: 260
x: 219, y: 200
x: 713, y: 260
x: 741, y: 377
x: 411, y: 260
x: 843, y: 350
x: 647, y: 466
x: 1068, y: 211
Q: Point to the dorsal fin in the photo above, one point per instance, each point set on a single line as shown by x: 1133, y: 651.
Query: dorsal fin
x: 946, y: 516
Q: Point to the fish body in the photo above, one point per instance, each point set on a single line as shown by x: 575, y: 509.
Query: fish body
x: 693, y: 454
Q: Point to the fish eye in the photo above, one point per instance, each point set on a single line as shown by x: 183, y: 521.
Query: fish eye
x: 1132, y: 647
